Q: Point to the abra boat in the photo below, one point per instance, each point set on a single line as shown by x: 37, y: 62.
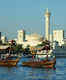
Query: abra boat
x: 5, y: 57
x: 44, y: 58
x: 10, y: 61
x: 47, y: 61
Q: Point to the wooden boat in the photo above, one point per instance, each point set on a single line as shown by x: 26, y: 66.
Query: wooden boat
x: 46, y: 60
x: 45, y: 56
x: 42, y: 64
x: 10, y: 61
x: 6, y: 58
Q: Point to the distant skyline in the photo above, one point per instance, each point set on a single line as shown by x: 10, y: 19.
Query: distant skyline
x: 29, y: 15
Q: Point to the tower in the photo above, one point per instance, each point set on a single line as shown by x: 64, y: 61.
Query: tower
x: 21, y: 36
x: 47, y: 24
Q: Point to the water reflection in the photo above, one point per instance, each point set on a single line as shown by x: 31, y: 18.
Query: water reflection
x: 27, y: 73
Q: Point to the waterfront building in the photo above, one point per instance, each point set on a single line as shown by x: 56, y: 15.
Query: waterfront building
x: 31, y: 43
x: 21, y: 36
x: 47, y: 24
x: 3, y: 39
x: 34, y: 37
x: 64, y: 41
x: 51, y: 38
x: 31, y: 40
x: 58, y: 35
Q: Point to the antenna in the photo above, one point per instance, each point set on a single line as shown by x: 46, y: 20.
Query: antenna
x: 47, y: 10
x: 52, y: 28
x: 53, y: 20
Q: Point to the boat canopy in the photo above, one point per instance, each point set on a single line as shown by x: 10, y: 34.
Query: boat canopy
x: 4, y: 47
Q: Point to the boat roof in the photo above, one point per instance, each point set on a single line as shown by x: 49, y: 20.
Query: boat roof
x: 3, y: 47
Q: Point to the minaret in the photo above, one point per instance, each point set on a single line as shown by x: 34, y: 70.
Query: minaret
x: 47, y: 24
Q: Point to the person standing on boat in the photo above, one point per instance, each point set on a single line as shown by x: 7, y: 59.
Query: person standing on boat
x: 47, y: 48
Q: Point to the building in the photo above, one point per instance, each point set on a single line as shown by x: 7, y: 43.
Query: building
x: 21, y: 36
x: 58, y: 35
x: 51, y: 38
x: 31, y: 40
x: 47, y: 24
x: 34, y: 37
x: 3, y: 39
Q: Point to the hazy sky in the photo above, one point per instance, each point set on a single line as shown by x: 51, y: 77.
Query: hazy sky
x: 29, y: 15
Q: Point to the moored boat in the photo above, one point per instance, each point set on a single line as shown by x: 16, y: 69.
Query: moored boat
x: 43, y: 59
x: 42, y: 64
x: 10, y: 61
x: 6, y: 58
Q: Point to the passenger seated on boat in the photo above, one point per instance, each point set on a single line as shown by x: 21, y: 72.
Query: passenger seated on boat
x: 43, y: 55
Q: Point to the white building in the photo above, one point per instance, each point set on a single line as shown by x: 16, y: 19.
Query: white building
x: 47, y: 24
x: 58, y: 35
x: 31, y: 43
x: 34, y: 37
x: 21, y: 36
x: 32, y: 40
x: 3, y: 39
x: 51, y: 38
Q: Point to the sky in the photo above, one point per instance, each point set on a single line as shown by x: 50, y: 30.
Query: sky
x: 29, y: 15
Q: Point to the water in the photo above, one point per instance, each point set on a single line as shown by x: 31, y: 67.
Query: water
x: 26, y: 73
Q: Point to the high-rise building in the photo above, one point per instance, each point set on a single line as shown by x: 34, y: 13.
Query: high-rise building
x: 3, y: 39
x: 58, y: 35
x: 47, y: 24
x: 21, y: 36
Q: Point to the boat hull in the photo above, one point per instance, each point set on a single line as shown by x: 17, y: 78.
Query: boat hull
x: 9, y: 63
x: 38, y: 64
